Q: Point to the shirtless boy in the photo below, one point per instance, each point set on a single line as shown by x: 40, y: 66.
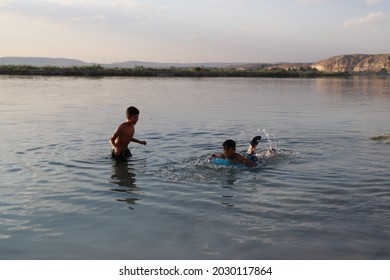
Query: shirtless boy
x: 124, y: 135
x: 229, y: 152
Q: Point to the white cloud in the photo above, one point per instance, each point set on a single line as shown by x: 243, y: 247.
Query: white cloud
x: 75, y: 5
x: 372, y: 17
x: 4, y: 3
x: 254, y: 29
x: 371, y: 2
x: 316, y: 1
x: 88, y: 12
x: 124, y: 4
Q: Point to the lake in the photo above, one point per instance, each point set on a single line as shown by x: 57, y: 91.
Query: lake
x: 325, y: 194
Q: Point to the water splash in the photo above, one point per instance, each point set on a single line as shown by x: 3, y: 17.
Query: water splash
x: 273, y: 141
x: 261, y: 152
x: 273, y: 152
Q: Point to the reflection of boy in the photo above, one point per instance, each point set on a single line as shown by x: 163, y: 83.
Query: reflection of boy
x: 124, y: 135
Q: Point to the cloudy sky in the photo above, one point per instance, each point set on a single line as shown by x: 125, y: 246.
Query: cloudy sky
x: 104, y: 31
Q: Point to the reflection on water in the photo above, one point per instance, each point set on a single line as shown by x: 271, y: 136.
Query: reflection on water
x: 355, y: 86
x: 124, y: 177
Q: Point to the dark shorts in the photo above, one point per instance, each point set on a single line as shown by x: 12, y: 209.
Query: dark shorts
x: 123, y: 155
x: 252, y: 158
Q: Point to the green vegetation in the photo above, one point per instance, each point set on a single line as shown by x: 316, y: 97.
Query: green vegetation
x: 99, y: 71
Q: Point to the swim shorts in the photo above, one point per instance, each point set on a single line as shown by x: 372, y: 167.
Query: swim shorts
x: 123, y: 155
x: 252, y: 158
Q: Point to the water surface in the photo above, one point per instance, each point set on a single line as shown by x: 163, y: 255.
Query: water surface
x: 324, y: 195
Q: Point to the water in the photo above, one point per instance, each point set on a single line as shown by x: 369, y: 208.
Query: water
x: 324, y: 195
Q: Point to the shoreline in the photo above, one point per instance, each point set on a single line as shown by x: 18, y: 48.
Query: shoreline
x: 140, y: 71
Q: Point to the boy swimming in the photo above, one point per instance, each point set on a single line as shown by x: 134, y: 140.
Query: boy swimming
x: 124, y: 135
x: 249, y: 160
x: 229, y: 152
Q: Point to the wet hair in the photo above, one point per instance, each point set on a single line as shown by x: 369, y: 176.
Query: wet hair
x: 229, y: 144
x: 131, y: 111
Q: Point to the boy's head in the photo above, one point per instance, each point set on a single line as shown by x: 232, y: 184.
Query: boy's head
x: 132, y: 114
x: 229, y: 144
x: 131, y: 111
x: 229, y: 147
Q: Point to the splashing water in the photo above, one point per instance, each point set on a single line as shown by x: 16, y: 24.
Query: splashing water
x: 273, y: 152
x: 273, y: 141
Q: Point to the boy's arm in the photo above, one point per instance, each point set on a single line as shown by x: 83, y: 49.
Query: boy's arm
x: 138, y: 141
x: 215, y: 156
x: 114, y: 136
x: 218, y: 155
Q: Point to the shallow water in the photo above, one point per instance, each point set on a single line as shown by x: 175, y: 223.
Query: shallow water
x: 325, y: 194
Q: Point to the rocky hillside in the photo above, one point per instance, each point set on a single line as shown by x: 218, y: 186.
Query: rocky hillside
x: 351, y: 63
x: 355, y: 63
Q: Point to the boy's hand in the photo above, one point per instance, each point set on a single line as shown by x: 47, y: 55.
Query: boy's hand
x: 117, y: 151
x: 142, y: 142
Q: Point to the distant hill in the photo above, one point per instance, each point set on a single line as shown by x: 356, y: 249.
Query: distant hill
x: 65, y: 62
x: 355, y: 63
x: 351, y: 63
x: 132, y: 64
x: 42, y: 61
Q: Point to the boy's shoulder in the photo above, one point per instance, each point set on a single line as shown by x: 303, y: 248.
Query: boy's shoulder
x: 237, y: 155
x: 126, y: 125
x: 121, y: 125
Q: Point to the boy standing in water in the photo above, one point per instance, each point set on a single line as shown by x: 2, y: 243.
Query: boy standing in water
x: 124, y: 135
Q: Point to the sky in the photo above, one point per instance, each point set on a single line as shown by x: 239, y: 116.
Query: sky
x: 194, y: 31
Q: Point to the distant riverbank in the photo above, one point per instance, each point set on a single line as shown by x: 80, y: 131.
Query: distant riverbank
x: 99, y: 71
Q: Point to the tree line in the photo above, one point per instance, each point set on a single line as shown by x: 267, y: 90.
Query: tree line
x: 140, y: 71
